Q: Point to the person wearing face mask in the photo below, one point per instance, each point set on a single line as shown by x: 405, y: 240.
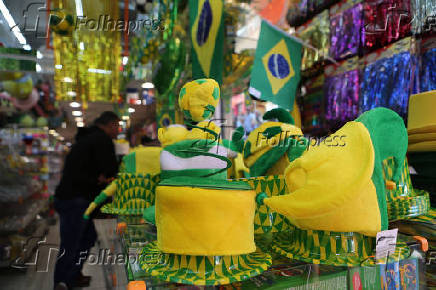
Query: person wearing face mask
x: 89, y: 166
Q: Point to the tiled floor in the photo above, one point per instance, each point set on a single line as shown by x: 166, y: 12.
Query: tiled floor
x: 40, y: 276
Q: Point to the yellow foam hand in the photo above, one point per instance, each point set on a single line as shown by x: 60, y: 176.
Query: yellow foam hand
x: 331, y: 187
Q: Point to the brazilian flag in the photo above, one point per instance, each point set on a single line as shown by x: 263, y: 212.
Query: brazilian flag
x: 276, y: 69
x: 207, y: 36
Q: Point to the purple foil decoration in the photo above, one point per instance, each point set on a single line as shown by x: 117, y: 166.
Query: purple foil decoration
x: 342, y: 97
x: 345, y: 32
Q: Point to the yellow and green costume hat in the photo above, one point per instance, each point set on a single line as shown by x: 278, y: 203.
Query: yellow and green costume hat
x: 271, y: 147
x: 134, y: 188
x: 205, y: 233
x: 199, y: 98
x: 342, y: 188
x: 195, y: 216
x: 338, y: 194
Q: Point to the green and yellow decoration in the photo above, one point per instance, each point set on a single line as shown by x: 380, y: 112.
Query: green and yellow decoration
x: 271, y: 147
x: 134, y: 188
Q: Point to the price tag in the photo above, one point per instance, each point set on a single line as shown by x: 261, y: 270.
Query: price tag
x: 386, y: 242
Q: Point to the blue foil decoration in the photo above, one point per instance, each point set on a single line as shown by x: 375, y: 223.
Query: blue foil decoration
x: 427, y: 79
x: 387, y: 83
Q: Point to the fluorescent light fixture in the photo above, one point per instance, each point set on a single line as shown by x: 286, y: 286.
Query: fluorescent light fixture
x: 125, y: 118
x: 74, y: 105
x: 131, y: 110
x: 58, y: 66
x: 39, y: 54
x: 12, y: 25
x: 68, y: 80
x: 125, y: 60
x: 99, y: 71
x: 138, y: 102
x: 80, y: 124
x: 72, y: 94
x: 27, y: 47
x: 76, y: 113
x: 121, y: 123
x: 82, y: 46
x: 78, y: 119
x: 147, y: 85
x: 79, y: 8
x: 51, y: 132
x: 38, y: 67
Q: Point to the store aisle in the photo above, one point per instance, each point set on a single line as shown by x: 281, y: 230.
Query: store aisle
x: 40, y: 276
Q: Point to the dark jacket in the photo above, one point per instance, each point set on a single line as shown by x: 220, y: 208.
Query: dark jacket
x: 92, y: 154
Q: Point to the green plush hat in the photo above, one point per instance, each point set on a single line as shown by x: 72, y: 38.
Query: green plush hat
x: 272, y: 146
x: 389, y: 138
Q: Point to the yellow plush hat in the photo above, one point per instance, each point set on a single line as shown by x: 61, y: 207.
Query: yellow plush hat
x: 342, y: 188
x: 196, y: 212
x: 270, y: 148
x: 134, y: 188
x: 199, y: 98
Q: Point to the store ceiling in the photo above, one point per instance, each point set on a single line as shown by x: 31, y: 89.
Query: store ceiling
x: 142, y: 115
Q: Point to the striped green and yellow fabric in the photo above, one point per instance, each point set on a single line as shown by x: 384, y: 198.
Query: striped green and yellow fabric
x: 404, y: 201
x: 266, y: 220
x: 202, y: 270
x: 135, y: 192
x: 331, y: 248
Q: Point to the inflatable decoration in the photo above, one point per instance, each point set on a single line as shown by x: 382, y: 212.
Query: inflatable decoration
x: 197, y: 209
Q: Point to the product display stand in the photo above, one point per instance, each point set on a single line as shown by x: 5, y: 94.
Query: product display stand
x: 284, y: 273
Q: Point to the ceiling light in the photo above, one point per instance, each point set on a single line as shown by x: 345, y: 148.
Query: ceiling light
x: 81, y: 46
x: 125, y: 60
x: 58, y: 66
x: 68, y: 80
x: 38, y: 54
x: 79, y: 8
x: 138, y: 102
x: 121, y: 123
x: 38, y: 67
x: 74, y: 105
x: 99, y: 71
x: 72, y: 94
x: 80, y: 124
x: 51, y: 131
x: 125, y: 118
x: 78, y: 119
x: 131, y: 110
x: 12, y: 25
x: 76, y: 113
x: 147, y: 85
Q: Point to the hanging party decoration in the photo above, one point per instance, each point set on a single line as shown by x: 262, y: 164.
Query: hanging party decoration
x: 273, y: 11
x: 276, y: 67
x: 346, y: 30
x: 207, y: 36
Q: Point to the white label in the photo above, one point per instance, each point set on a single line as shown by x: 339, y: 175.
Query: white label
x: 386, y: 242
